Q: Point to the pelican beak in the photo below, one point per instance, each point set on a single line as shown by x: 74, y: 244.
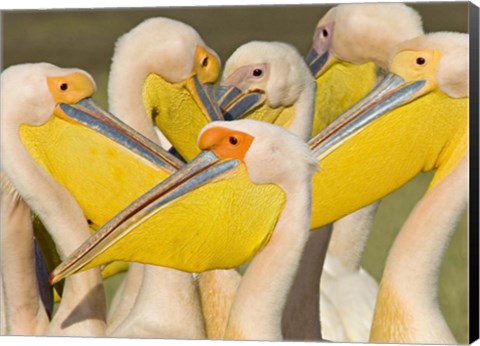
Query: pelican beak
x: 205, y: 99
x: 392, y: 92
x: 320, y: 57
x: 203, y: 169
x: 88, y: 113
x: 236, y: 98
x: 317, y: 62
x: 235, y: 104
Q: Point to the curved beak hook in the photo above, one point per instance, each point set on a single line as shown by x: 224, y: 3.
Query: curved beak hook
x: 316, y: 61
x: 235, y: 103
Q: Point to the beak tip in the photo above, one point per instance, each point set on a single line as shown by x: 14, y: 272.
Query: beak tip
x: 53, y: 279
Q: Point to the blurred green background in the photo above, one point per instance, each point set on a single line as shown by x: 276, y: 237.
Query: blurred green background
x: 85, y: 39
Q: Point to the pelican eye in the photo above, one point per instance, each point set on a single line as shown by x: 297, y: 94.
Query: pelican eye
x: 325, y: 33
x: 257, y: 72
x: 63, y: 86
x: 205, y: 61
x: 421, y: 61
x: 233, y: 140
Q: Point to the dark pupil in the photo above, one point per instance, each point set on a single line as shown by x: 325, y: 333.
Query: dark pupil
x: 420, y: 61
x: 233, y: 140
x: 64, y: 86
x: 324, y: 32
x: 257, y: 72
x: 205, y: 62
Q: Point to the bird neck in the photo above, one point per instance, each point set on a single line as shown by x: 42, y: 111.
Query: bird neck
x: 350, y: 235
x: 125, y: 86
x: 65, y: 222
x: 304, y: 109
x: 83, y: 306
x: 217, y: 290
x: 261, y: 297
x: 25, y: 174
x: 53, y: 204
x: 408, y: 291
x: 24, y: 313
x: 167, y: 305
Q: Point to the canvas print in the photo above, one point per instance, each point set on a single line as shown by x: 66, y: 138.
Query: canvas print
x: 250, y: 172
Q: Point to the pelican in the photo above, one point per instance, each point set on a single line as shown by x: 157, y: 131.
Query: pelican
x: 429, y: 226
x: 349, y: 55
x: 161, y: 74
x: 38, y: 87
x: 275, y: 78
x: 261, y: 295
x: 165, y: 86
x: 31, y: 138
x: 282, y: 93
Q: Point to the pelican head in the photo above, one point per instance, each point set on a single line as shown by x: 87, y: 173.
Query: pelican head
x: 41, y: 86
x: 360, y: 33
x: 268, y: 81
x: 170, y: 49
x: 46, y: 90
x: 175, y: 68
x: 441, y: 58
x: 263, y: 148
